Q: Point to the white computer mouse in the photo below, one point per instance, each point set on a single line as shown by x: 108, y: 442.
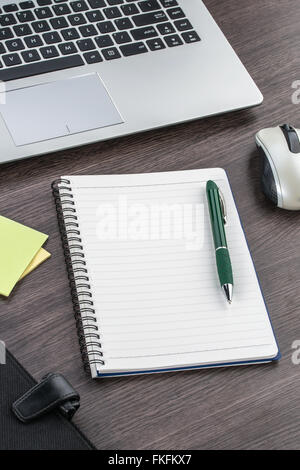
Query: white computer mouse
x: 280, y: 149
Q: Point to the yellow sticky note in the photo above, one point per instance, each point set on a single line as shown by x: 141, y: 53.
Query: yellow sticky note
x: 18, y: 246
x: 39, y: 258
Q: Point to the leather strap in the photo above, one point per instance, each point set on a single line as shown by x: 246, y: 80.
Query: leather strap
x: 53, y: 392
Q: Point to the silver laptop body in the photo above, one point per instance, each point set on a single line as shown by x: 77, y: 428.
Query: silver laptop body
x: 58, y: 91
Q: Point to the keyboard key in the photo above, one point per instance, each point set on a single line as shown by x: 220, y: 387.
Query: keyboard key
x: 43, y: 3
x: 149, y: 18
x: 58, y: 23
x: 191, y: 36
x: 143, y: 33
x: 11, y: 7
x: 11, y: 59
x: 2, y: 48
x: 168, y: 3
x: 95, y: 15
x: 123, y: 23
x: 175, y: 13
x: 45, y: 66
x: 52, y: 37
x: 149, y: 5
x: 6, y: 20
x: 40, y: 26
x: 86, y: 44
x: 92, y: 57
x: 97, y: 3
x: 155, y: 44
x: 132, y: 49
x: 112, y: 12
x: 43, y: 13
x: 166, y: 28
x: 67, y: 48
x: 14, y: 45
x: 173, y: 40
x: 104, y: 41
x: 26, y: 5
x: 25, y: 16
x: 22, y: 30
x: 33, y: 41
x: 88, y: 30
x: 110, y: 54
x: 122, y: 37
x: 31, y: 56
x: 106, y: 27
x: 115, y: 2
x: 79, y: 6
x: 130, y: 9
x: 70, y: 33
x: 76, y: 20
x: 48, y: 52
x: 6, y: 33
x: 62, y: 9
x: 183, y: 25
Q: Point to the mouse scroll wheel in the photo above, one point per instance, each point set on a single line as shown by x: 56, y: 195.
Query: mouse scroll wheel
x: 291, y: 138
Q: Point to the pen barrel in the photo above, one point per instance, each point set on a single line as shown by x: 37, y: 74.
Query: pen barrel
x: 224, y: 266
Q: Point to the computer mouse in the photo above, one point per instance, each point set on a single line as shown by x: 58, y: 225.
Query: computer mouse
x: 280, y: 149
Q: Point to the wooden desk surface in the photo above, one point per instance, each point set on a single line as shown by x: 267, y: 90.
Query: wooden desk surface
x: 253, y: 407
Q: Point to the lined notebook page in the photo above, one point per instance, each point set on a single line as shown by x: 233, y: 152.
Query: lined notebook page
x: 155, y: 286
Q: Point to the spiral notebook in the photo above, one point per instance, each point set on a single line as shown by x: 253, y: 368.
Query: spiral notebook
x: 141, y: 260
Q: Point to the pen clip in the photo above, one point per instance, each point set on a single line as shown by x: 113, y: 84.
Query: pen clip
x: 223, y: 207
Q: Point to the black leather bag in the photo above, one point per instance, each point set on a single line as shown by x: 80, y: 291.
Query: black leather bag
x: 49, y: 429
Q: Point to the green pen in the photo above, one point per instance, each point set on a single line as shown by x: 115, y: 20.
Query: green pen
x: 218, y: 220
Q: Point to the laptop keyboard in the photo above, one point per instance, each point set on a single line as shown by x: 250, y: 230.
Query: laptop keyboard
x: 47, y: 35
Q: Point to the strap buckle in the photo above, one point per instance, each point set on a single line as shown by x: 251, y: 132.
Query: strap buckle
x: 53, y: 392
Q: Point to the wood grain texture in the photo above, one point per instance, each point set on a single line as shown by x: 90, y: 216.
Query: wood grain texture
x: 253, y: 407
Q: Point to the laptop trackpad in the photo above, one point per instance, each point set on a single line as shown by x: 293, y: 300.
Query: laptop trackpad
x: 60, y: 108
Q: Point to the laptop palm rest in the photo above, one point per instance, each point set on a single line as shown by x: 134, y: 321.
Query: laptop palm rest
x: 57, y: 109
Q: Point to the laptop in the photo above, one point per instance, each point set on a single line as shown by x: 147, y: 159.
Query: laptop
x: 77, y: 72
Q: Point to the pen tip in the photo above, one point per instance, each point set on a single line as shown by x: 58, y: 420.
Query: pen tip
x: 228, y: 288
